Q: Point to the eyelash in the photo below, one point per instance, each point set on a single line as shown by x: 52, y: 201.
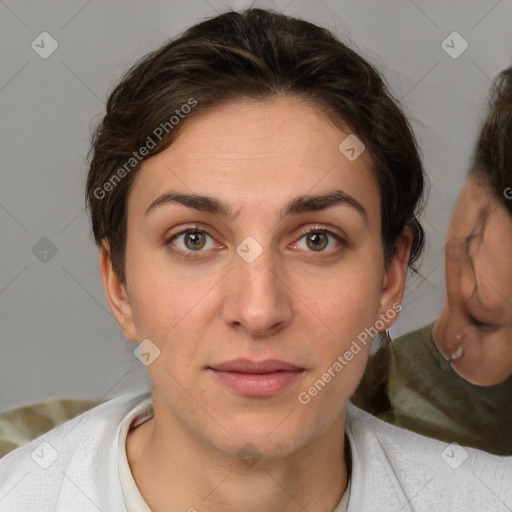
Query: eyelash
x: 482, y: 326
x: 192, y: 255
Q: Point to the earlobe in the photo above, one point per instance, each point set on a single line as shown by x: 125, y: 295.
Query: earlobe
x: 395, y: 278
x: 116, y: 293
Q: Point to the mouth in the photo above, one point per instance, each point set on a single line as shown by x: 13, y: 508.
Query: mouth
x: 458, y: 353
x: 256, y: 378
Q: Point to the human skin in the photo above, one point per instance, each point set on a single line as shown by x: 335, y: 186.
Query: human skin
x: 293, y: 303
x: 474, y: 330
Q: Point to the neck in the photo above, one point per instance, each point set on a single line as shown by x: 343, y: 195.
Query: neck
x: 176, y: 470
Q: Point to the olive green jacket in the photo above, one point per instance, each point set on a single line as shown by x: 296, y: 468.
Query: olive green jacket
x: 410, y: 385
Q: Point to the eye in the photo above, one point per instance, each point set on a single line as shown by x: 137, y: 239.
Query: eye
x: 318, y: 238
x: 482, y: 326
x: 190, y: 241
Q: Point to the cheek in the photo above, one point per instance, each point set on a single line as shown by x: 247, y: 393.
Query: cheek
x: 330, y: 387
x: 345, y: 318
x: 166, y: 304
x: 497, y: 349
x: 334, y: 304
x: 346, y: 299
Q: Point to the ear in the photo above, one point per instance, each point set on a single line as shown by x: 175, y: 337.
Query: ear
x: 393, y: 287
x: 117, y: 296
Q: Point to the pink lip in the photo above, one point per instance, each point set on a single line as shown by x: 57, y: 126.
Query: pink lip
x: 253, y: 378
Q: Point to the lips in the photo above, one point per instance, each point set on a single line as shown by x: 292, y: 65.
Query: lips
x: 255, y: 367
x: 256, y: 378
x: 458, y: 353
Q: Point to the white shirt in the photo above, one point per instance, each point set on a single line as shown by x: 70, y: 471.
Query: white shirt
x: 132, y: 498
x: 76, y: 467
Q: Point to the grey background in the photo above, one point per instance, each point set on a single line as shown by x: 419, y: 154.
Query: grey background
x: 58, y: 337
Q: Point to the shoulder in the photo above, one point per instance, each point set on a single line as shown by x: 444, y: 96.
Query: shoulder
x: 389, y: 364
x: 72, y: 467
x: 413, y: 362
x: 20, y: 425
x: 394, y: 469
x: 414, y: 347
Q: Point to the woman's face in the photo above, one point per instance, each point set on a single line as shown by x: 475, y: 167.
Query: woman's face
x: 252, y: 294
x: 474, y: 330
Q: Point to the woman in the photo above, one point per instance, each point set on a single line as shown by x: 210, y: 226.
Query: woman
x: 452, y: 379
x: 253, y: 191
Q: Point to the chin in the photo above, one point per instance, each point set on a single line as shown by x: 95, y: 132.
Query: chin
x: 477, y: 377
x: 274, y: 439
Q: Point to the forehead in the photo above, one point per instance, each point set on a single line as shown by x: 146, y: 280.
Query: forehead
x: 256, y: 153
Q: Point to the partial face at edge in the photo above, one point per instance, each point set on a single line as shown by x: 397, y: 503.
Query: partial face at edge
x: 474, y: 329
x: 303, y: 300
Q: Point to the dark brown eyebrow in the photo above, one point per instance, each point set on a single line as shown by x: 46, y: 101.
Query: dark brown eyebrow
x: 312, y: 203
x: 198, y: 202
x: 300, y: 204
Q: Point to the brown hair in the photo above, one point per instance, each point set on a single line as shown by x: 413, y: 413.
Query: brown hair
x: 257, y: 54
x: 493, y: 155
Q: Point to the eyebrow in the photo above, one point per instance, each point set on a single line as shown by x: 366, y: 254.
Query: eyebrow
x: 299, y: 204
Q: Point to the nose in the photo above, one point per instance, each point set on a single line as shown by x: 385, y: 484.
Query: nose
x: 256, y: 296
